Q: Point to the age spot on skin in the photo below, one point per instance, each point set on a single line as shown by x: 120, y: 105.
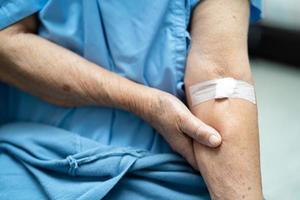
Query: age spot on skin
x: 243, y: 197
x: 249, y: 188
x: 66, y: 88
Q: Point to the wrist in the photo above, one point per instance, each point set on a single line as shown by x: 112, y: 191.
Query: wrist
x: 152, y: 104
x: 145, y: 102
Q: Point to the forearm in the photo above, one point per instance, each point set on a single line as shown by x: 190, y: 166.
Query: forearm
x: 62, y: 77
x: 219, y: 49
x: 59, y: 76
x: 231, y: 171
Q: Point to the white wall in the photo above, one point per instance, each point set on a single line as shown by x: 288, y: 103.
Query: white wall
x: 282, y: 13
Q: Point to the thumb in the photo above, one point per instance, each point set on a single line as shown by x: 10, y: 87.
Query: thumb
x: 201, y: 132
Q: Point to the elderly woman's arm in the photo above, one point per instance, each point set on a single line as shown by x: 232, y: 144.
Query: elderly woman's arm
x: 62, y: 77
x: 219, y: 49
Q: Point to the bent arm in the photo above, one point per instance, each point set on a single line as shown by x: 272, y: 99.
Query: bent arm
x: 60, y: 76
x: 219, y: 49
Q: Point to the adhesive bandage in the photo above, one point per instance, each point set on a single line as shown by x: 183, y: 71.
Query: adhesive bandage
x: 221, y: 88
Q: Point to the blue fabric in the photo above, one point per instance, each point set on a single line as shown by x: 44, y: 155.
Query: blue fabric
x: 57, y: 164
x: 51, y: 152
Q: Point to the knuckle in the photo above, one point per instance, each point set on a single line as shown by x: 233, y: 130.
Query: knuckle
x: 200, y: 135
x: 181, y: 121
x: 179, y: 118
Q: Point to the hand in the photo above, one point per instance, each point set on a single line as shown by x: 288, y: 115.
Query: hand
x: 173, y: 120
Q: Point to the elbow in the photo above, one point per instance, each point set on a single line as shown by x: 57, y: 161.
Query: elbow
x: 10, y: 36
x: 202, y: 67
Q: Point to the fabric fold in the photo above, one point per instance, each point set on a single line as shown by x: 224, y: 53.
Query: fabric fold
x: 60, y: 159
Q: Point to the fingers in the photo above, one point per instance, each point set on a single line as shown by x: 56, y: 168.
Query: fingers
x: 191, y: 159
x: 201, y: 132
x: 184, y: 147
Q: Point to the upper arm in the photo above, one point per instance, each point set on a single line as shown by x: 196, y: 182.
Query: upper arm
x: 9, y: 41
x: 219, y: 42
x: 26, y: 25
x: 9, y: 35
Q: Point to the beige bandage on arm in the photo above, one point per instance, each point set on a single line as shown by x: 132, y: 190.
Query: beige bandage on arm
x: 221, y: 88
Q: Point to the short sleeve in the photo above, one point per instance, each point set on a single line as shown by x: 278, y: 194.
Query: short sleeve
x: 12, y: 11
x: 255, y: 9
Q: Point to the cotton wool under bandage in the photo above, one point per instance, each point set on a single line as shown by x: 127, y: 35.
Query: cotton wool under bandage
x: 220, y: 89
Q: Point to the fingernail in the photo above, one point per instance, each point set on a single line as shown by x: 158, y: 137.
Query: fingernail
x: 214, y: 140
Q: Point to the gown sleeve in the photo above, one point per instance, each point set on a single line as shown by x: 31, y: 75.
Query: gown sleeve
x: 12, y: 11
x: 255, y: 10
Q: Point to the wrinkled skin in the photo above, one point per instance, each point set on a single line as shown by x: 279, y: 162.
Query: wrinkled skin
x: 175, y: 122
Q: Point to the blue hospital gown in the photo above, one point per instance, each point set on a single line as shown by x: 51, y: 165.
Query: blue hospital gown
x: 52, y: 152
